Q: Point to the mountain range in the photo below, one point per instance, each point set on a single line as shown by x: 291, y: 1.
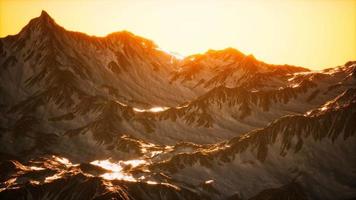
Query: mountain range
x: 115, y: 117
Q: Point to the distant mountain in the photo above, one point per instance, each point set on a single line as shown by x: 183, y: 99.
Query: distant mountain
x: 218, y: 125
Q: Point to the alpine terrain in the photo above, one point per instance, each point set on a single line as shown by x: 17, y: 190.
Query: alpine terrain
x: 116, y: 117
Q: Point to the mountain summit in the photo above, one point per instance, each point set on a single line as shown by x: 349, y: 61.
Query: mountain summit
x: 40, y: 25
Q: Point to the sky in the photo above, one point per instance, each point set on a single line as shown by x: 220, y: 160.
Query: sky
x: 309, y: 33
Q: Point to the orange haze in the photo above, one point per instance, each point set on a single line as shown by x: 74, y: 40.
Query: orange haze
x: 310, y: 33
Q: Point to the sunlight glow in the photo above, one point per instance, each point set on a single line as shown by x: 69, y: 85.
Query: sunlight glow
x: 117, y: 169
x: 106, y: 164
x: 34, y: 168
x: 316, y: 34
x: 54, y: 177
x: 134, y: 163
x: 63, y: 161
x: 153, y: 109
x: 152, y: 182
x: 209, y: 181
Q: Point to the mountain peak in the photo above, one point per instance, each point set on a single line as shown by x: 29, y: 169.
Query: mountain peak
x: 42, y: 23
x: 45, y: 18
x: 44, y: 15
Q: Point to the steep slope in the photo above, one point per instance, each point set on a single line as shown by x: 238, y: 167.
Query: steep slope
x: 46, y: 71
x: 58, y: 178
x: 298, y: 157
x: 60, y: 89
x: 102, y: 65
x: 315, y: 150
x: 222, y: 112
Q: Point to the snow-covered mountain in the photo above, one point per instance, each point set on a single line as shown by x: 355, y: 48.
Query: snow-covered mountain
x: 218, y: 125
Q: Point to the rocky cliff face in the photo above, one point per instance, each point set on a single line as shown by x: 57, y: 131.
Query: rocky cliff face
x: 120, y: 117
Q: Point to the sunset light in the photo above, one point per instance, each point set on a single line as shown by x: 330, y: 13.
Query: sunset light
x: 315, y: 34
x: 177, y: 99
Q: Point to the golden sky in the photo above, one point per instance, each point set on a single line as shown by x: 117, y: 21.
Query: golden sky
x: 309, y: 33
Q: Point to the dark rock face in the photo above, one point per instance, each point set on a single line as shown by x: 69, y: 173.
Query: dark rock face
x: 291, y: 191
